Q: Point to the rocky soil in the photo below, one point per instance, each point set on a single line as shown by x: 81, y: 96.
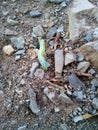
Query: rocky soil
x: 56, y: 89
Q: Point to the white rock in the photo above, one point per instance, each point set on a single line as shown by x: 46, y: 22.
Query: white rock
x: 69, y: 58
x: 78, y: 118
x: 78, y: 24
x: 83, y: 66
x: 8, y: 50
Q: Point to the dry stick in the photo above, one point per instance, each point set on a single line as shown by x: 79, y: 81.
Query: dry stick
x: 83, y: 74
x: 56, y: 39
x: 55, y: 85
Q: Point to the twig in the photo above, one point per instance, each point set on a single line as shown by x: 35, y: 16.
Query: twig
x: 55, y: 85
x: 83, y: 74
x: 56, y: 39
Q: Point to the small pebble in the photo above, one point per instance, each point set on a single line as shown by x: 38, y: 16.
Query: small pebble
x: 22, y: 127
x: 8, y: 50
x: 17, y: 57
x: 35, y: 13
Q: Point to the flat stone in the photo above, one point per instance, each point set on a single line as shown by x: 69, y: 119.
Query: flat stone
x: 22, y: 127
x: 35, y: 13
x: 69, y: 58
x: 56, y: 1
x: 18, y: 42
x: 38, y: 31
x: 78, y: 118
x: 90, y: 52
x: 17, y: 57
x: 33, y: 102
x: 59, y: 62
x: 20, y: 52
x: 65, y: 99
x: 39, y: 73
x: 78, y: 94
x: 77, y: 23
x: 1, y: 92
x: 9, y: 32
x: 89, y: 37
x: 95, y: 103
x: 33, y: 68
x: 75, y: 82
x: 51, y: 33
x: 8, y: 50
x: 83, y: 66
x: 12, y: 22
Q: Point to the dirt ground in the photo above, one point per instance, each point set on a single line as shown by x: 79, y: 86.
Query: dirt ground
x: 14, y: 102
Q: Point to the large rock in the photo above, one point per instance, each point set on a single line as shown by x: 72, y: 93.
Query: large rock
x: 77, y: 23
x: 90, y: 52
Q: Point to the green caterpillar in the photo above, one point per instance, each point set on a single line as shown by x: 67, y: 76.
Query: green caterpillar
x: 41, y: 55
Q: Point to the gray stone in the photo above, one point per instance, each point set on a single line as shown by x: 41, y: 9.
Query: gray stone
x: 65, y: 99
x: 75, y: 82
x: 63, y: 4
x: 64, y: 127
x: 95, y: 103
x: 35, y: 13
x: 90, y: 52
x: 38, y: 31
x: 20, y: 52
x: 1, y: 92
x: 79, y: 57
x: 12, y: 22
x: 9, y: 32
x: 95, y: 34
x: 78, y: 94
x: 83, y: 66
x: 94, y: 82
x: 33, y: 102
x: 69, y: 58
x: 59, y: 62
x: 77, y: 23
x: 78, y: 118
x: 60, y: 28
x: 33, y: 68
x: 22, y: 127
x: 51, y: 33
x: 17, y: 57
x: 18, y: 42
x: 92, y: 71
x: 89, y: 37
x: 56, y: 1
x: 5, y: 12
x: 39, y: 73
x: 8, y: 50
